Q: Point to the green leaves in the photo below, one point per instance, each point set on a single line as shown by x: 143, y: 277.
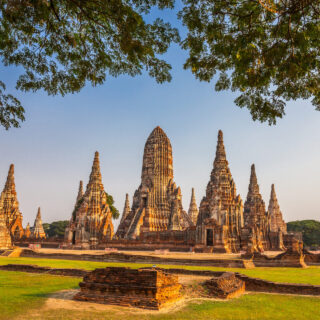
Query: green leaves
x: 63, y: 45
x: 268, y: 57
x: 114, y: 210
x: 310, y: 231
x: 11, y: 111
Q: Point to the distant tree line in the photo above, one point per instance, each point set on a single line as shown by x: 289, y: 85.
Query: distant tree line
x: 55, y: 229
x: 310, y: 231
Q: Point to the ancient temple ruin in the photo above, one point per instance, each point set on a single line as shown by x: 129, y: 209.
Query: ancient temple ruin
x: 221, y: 211
x: 157, y: 204
x: 126, y: 209
x: 255, y: 231
x: 193, y: 211
x: 5, y: 238
x: 91, y: 220
x: 37, y: 231
x: 9, y: 206
x: 276, y: 220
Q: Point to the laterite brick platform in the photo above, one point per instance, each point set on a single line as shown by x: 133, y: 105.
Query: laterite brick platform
x: 148, y: 289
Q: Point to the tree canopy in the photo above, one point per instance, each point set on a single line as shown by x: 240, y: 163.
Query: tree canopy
x: 113, y: 209
x: 267, y: 50
x: 56, y: 228
x: 63, y: 44
x: 310, y: 231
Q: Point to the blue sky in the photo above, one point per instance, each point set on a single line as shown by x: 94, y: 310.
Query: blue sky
x: 55, y: 146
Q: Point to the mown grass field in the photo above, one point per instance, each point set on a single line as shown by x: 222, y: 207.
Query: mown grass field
x: 310, y: 275
x: 23, y: 296
x: 21, y: 291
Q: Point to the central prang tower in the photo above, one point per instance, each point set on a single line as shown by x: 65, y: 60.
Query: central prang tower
x: 157, y: 202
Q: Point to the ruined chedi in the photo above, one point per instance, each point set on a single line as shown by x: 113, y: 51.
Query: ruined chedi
x: 37, y: 230
x: 275, y: 215
x: 255, y: 231
x: 126, y: 209
x: 5, y: 238
x: 9, y: 206
x: 157, y: 204
x: 193, y: 208
x: 27, y: 231
x: 91, y: 220
x: 221, y: 210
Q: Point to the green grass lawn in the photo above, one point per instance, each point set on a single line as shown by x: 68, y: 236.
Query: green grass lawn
x: 20, y: 292
x: 310, y: 275
x: 248, y: 307
x: 23, y: 294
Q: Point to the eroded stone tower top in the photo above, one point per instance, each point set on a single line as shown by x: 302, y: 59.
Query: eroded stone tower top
x: 276, y: 219
x: 9, y: 206
x: 157, y: 159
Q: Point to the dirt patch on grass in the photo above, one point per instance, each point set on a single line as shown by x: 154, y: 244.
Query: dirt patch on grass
x: 192, y: 291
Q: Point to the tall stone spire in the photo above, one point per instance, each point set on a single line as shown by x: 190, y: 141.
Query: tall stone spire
x: 253, y: 185
x: 193, y: 208
x: 95, y: 176
x: 80, y: 191
x: 9, y: 206
x: 157, y: 202
x: 255, y: 217
x: 38, y: 231
x: 221, y: 204
x: 92, y: 216
x: 254, y: 205
x: 221, y: 190
x: 10, y: 185
x: 275, y: 215
x: 126, y: 208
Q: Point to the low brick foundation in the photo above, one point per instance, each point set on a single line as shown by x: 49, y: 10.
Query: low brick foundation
x: 142, y: 288
x: 48, y: 270
x: 225, y: 286
x: 251, y: 284
x: 312, y: 259
x: 259, y: 285
x: 122, y: 257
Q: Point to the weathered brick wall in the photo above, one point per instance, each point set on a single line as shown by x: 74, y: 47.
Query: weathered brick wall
x: 312, y: 259
x: 48, y: 270
x: 121, y: 257
x: 225, y: 286
x: 143, y: 288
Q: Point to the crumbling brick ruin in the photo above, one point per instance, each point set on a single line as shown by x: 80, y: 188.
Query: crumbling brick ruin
x: 9, y: 206
x: 142, y: 288
x: 91, y: 220
x: 157, y: 204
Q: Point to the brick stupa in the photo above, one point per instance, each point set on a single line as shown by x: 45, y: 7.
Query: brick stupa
x: 193, y: 211
x: 142, y: 288
x: 157, y: 204
x: 91, y: 220
x: 276, y: 220
x: 254, y: 233
x: 37, y: 230
x: 9, y: 206
x: 220, y: 214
